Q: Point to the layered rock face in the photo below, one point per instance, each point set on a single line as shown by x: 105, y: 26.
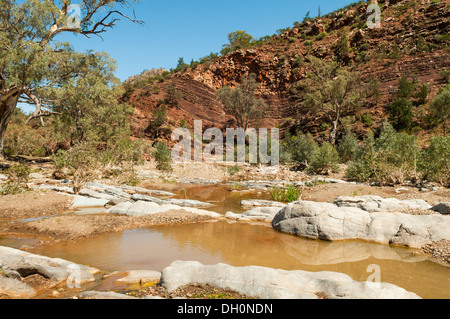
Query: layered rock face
x: 417, y: 32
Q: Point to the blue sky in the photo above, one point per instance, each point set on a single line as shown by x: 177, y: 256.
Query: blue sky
x: 191, y: 29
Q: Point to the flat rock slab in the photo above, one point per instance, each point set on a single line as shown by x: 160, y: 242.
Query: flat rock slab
x: 173, y: 201
x: 143, y: 208
x: 329, y: 222
x: 141, y: 190
x: 82, y: 201
x: 261, y: 203
x: 265, y: 214
x: 378, y: 204
x: 268, y: 283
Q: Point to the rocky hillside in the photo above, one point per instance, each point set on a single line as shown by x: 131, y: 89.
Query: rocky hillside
x: 413, y: 40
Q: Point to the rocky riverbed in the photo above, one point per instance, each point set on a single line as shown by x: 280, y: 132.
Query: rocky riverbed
x: 243, y: 282
x: 328, y: 209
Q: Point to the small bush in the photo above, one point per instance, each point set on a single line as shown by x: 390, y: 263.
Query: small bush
x: 325, y: 160
x: 286, y: 195
x: 163, y: 157
x: 233, y: 170
x: 349, y: 148
x: 302, y: 149
x: 435, y: 161
x: 18, y: 175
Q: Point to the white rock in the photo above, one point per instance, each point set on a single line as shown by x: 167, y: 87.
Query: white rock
x: 53, y: 268
x: 268, y: 283
x: 82, y: 201
x: 329, y: 222
x: 378, y: 204
x: 142, y: 208
x: 261, y: 203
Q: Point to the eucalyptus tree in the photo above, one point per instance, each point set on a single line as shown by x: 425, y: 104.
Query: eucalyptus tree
x: 34, y: 66
x: 333, y: 90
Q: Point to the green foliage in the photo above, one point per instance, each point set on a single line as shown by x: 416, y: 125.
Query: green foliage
x: 241, y: 101
x: 286, y: 195
x: 173, y: 95
x: 163, y: 157
x: 332, y: 90
x: 349, y: 148
x: 27, y: 140
x: 422, y: 95
x: 321, y: 36
x: 302, y: 149
x: 237, y: 40
x: 87, y: 161
x: 342, y: 49
x: 50, y: 74
x: 18, y: 175
x: 325, y: 160
x: 18, y: 172
x: 390, y: 159
x: 435, y: 161
x: 440, y: 108
x: 400, y: 110
x: 374, y: 89
x: 401, y: 114
x: 159, y: 117
x: 233, y: 170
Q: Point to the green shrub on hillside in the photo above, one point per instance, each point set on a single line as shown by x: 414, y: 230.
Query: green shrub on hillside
x: 325, y: 160
x: 163, y: 157
x: 435, y: 161
x: 302, y: 149
x: 348, y: 147
x: 392, y: 158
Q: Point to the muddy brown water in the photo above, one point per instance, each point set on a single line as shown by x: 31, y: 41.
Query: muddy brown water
x: 243, y: 244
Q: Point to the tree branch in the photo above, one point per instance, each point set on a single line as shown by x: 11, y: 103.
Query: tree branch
x: 38, y: 112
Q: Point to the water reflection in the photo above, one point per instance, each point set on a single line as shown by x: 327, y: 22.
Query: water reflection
x: 242, y: 244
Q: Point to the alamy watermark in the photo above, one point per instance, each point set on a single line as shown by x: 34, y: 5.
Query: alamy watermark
x: 74, y: 276
x: 374, y: 20
x: 375, y: 278
x: 73, y: 16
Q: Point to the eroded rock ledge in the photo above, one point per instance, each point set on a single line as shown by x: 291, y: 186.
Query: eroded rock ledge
x: 327, y: 221
x: 268, y: 283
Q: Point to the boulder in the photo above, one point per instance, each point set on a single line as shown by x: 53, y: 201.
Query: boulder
x: 14, y: 288
x: 268, y: 283
x: 378, y: 204
x: 442, y: 208
x: 329, y: 222
x: 53, y: 268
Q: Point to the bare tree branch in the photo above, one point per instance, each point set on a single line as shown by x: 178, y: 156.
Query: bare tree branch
x: 38, y: 112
